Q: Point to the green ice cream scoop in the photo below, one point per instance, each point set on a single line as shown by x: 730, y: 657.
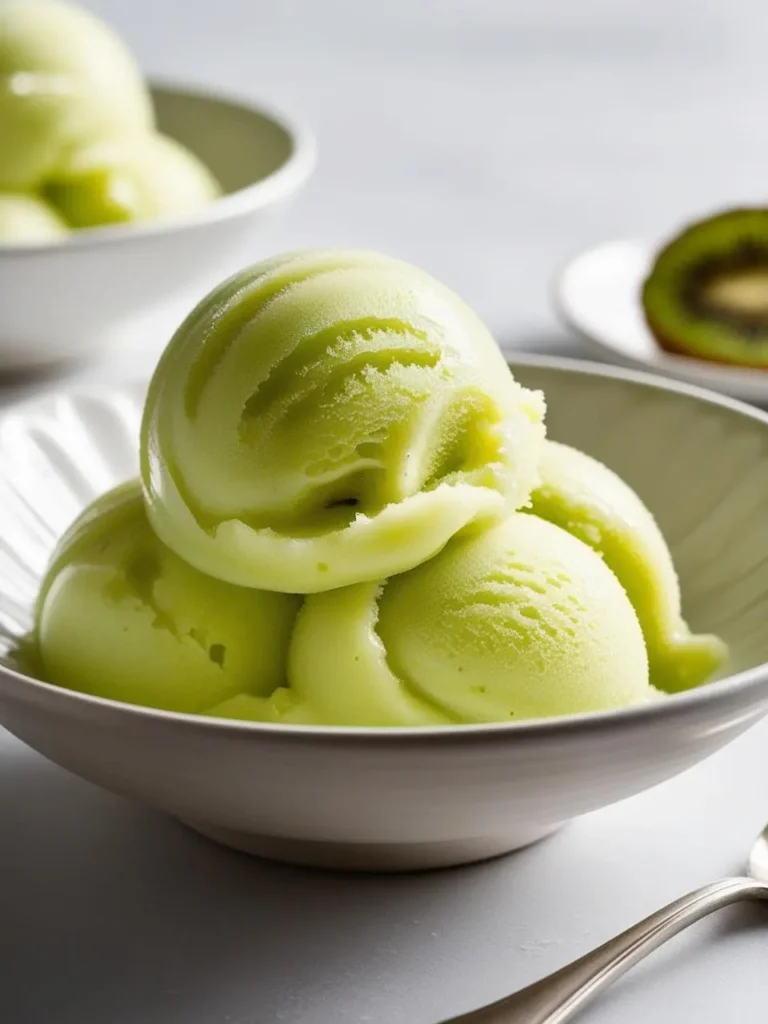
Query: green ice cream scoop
x: 331, y: 417
x: 584, y: 497
x: 121, y: 616
x: 26, y: 218
x: 65, y: 80
x: 130, y: 178
x: 515, y: 622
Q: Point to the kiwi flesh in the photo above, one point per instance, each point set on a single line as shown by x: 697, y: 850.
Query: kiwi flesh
x: 707, y: 292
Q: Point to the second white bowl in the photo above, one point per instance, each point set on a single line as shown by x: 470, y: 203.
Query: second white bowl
x: 91, y: 291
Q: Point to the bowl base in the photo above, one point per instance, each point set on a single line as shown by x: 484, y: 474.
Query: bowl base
x: 374, y: 857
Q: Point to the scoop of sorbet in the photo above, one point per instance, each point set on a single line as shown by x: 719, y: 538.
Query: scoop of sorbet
x: 591, y: 502
x: 331, y: 417
x: 25, y: 218
x: 515, y: 622
x: 65, y: 81
x: 128, y: 179
x: 121, y: 616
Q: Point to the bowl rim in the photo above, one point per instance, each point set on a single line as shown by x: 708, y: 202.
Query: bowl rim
x: 637, y: 717
x: 280, y: 183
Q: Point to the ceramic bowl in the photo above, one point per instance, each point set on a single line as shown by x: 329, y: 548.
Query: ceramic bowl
x: 411, y: 798
x: 92, y: 291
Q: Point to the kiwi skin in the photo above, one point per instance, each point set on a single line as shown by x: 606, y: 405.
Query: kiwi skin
x: 677, y: 315
x: 676, y: 349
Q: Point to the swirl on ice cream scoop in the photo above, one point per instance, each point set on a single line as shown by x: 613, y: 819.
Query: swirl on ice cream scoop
x: 587, y: 499
x: 515, y: 622
x: 121, y: 616
x: 331, y: 417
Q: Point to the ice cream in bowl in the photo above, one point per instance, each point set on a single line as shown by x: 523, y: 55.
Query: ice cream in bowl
x: 119, y: 196
x: 342, y: 588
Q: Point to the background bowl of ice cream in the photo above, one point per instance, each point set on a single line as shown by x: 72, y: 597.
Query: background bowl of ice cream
x: 67, y: 298
x: 397, y: 799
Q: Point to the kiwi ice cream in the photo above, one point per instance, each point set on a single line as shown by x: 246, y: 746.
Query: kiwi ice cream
x: 349, y: 516
x: 584, y: 497
x: 65, y: 81
x: 77, y: 125
x: 25, y: 218
x: 331, y: 417
x: 518, y: 621
x: 136, y: 178
x: 121, y: 616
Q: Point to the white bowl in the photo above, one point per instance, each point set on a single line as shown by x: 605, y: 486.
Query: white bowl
x: 92, y: 290
x: 411, y: 798
x: 598, y: 295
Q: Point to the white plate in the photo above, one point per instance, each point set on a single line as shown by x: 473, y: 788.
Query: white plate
x: 598, y: 294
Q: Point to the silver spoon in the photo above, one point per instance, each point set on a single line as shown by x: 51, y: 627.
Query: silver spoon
x: 559, y: 997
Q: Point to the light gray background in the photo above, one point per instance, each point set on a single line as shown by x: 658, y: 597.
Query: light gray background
x: 487, y: 140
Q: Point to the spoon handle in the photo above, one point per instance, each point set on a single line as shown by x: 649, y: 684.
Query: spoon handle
x: 557, y: 998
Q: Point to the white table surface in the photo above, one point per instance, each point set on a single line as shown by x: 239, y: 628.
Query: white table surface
x: 486, y: 140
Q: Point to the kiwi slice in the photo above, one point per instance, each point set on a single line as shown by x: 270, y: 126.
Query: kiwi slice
x: 707, y: 293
